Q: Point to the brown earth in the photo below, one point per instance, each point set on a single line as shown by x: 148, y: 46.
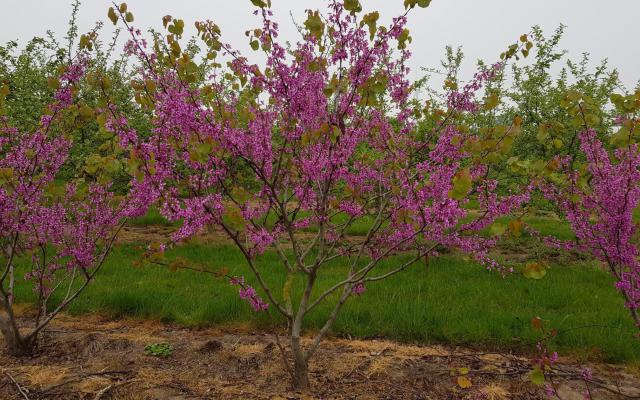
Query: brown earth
x: 92, y: 357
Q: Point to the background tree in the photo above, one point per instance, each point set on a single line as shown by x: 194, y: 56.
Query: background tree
x: 62, y: 226
x: 30, y: 73
x: 598, y: 192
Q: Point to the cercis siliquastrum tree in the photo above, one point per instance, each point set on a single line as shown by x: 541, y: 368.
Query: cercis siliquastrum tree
x: 318, y: 138
x: 55, y: 235
x: 598, y: 190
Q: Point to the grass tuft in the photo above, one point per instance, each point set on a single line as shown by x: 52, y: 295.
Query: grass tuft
x: 450, y: 301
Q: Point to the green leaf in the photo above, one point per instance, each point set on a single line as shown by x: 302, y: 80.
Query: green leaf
x: 5, y: 175
x: 200, y: 152
x: 4, y: 90
x: 54, y: 190
x: 461, y: 184
x: 543, y: 133
x: 353, y: 6
x: 85, y: 42
x: 177, y: 264
x: 403, y: 39
x: 314, y: 25
x: 536, y: 376
x: 498, y: 229
x: 240, y: 194
x: 622, y: 138
x: 165, y: 20
x: 163, y: 350
x: 371, y: 20
x: 464, y: 382
x: 410, y: 3
x: 557, y: 143
x: 420, y: 3
x: 53, y: 83
x: 534, y: 270
x: 259, y: 3
x: 177, y: 28
x: 113, y: 166
x: 515, y: 227
x: 492, y: 101
x: 112, y: 15
x: 255, y: 45
x: 233, y: 217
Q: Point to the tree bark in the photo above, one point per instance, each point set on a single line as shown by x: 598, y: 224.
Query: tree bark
x: 300, y: 365
x: 300, y: 373
x: 17, y: 345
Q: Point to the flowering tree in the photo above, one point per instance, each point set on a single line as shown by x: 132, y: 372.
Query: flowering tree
x: 63, y: 231
x: 291, y: 155
x: 599, y: 191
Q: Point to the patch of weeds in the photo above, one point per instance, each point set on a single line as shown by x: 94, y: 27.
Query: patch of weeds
x: 163, y: 350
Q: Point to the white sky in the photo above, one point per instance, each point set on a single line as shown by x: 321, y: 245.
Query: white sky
x: 606, y: 29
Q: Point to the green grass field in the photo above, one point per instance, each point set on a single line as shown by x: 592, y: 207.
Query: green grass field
x: 451, y: 301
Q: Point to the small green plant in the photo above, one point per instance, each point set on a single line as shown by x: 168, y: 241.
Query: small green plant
x: 163, y: 350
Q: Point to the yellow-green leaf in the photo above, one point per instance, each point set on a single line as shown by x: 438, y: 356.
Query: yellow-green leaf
x: 371, y: 20
x: 536, y: 376
x: 314, y: 25
x: 464, y: 382
x: 353, y: 6
x: 498, y: 229
x: 515, y: 227
x: 5, y: 175
x: 112, y: 15
x: 534, y: 270
x: 461, y: 184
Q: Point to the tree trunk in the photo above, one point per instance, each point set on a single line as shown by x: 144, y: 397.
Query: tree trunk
x: 300, y: 373
x: 300, y: 365
x: 17, y: 345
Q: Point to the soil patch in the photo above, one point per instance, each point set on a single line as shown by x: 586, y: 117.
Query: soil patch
x: 91, y: 357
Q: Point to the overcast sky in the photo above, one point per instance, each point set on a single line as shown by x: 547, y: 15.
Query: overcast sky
x: 606, y: 29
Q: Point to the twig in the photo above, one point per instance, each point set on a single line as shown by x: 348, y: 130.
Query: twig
x: 285, y: 360
x: 104, y: 391
x: 22, y: 391
x: 608, y: 388
x: 77, y: 378
x: 101, y: 392
x: 371, y: 358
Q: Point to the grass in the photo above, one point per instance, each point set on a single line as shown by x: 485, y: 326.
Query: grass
x: 451, y: 301
x: 151, y: 218
x: 545, y: 225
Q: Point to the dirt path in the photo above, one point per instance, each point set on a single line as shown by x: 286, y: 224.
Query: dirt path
x: 91, y: 357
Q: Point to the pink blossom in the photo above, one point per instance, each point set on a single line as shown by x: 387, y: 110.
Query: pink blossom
x: 359, y: 289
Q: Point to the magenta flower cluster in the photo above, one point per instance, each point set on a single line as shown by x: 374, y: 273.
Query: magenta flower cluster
x: 599, y: 203
x: 249, y: 294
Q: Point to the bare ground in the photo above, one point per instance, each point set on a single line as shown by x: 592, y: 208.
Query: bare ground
x: 92, y: 357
